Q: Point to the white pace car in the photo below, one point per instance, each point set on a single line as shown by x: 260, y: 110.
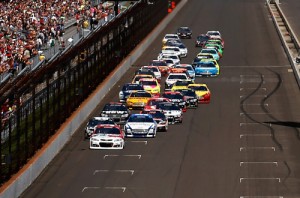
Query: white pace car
x: 140, y: 125
x: 107, y: 136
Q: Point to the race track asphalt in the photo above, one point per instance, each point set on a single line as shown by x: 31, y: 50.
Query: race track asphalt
x: 244, y: 144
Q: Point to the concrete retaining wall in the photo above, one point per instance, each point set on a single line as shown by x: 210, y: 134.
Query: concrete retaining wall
x: 19, y: 182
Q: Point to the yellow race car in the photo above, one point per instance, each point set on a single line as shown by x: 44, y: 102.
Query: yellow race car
x: 202, y: 92
x: 150, y: 85
x: 137, y: 77
x: 181, y: 84
x: 138, y: 99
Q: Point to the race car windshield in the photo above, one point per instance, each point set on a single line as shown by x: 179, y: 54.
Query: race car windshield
x: 112, y: 107
x: 137, y: 78
x: 177, y: 77
x: 148, y: 83
x: 202, y: 38
x: 183, y: 30
x: 173, y: 96
x: 209, y: 51
x: 132, y: 87
x: 158, y: 63
x: 169, y: 107
x: 140, y: 118
x: 103, y: 130
x: 158, y: 114
x: 141, y: 94
x: 171, y: 37
x: 188, y: 93
x: 182, y: 83
x: 207, y: 65
x: 199, y: 88
x: 94, y: 122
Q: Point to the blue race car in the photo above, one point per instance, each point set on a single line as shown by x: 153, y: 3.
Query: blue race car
x: 206, y: 69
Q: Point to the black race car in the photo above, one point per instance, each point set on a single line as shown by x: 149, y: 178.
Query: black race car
x: 184, y: 32
x: 118, y: 112
x: 190, y: 98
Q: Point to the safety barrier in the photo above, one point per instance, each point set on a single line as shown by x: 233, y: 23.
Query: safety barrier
x: 286, y: 34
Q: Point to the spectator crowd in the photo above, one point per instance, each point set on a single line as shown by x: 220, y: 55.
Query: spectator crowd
x: 27, y: 27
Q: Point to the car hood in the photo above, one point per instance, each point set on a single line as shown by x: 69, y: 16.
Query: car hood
x: 140, y: 125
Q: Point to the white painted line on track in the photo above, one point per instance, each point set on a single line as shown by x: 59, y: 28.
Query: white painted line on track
x: 251, y: 75
x: 136, y: 141
x: 139, y: 156
x: 274, y: 163
x: 120, y: 171
x: 106, y: 156
x: 255, y: 135
x: 244, y: 88
x: 253, y: 123
x: 244, y: 81
x: 253, y: 148
x: 87, y: 188
x: 259, y: 113
x: 255, y: 104
x: 116, y: 188
x: 256, y: 96
x: 258, y: 178
x: 258, y: 66
x: 107, y: 188
x: 261, y: 196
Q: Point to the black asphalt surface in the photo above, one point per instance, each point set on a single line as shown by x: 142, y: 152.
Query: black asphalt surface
x: 244, y: 144
x: 291, y: 9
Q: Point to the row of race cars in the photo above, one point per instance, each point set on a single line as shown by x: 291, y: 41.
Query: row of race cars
x: 158, y: 109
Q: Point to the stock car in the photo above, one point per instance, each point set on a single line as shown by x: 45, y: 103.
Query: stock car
x: 127, y: 89
x: 107, y: 136
x: 150, y: 85
x: 140, y: 125
x: 159, y: 117
x: 179, y: 44
x: 206, y: 69
x: 213, y: 52
x: 155, y: 70
x: 190, y: 97
x: 170, y: 36
x: 136, y: 78
x: 153, y: 102
x: 117, y: 111
x: 202, y: 91
x: 162, y: 66
x: 201, y: 40
x: 218, y: 41
x: 214, y: 34
x: 172, y: 112
x: 200, y: 57
x: 171, y: 50
x: 174, y: 57
x: 214, y: 46
x: 176, y: 98
x: 184, y: 32
x: 172, y: 78
x: 181, y: 84
x: 90, y: 126
x: 189, y: 69
x: 138, y: 99
x: 144, y: 71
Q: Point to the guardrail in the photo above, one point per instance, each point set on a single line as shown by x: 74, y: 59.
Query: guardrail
x: 287, y: 36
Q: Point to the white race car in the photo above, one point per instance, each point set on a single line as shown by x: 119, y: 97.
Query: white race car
x: 172, y: 78
x: 107, y: 136
x: 93, y: 122
x: 172, y: 112
x: 140, y: 125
